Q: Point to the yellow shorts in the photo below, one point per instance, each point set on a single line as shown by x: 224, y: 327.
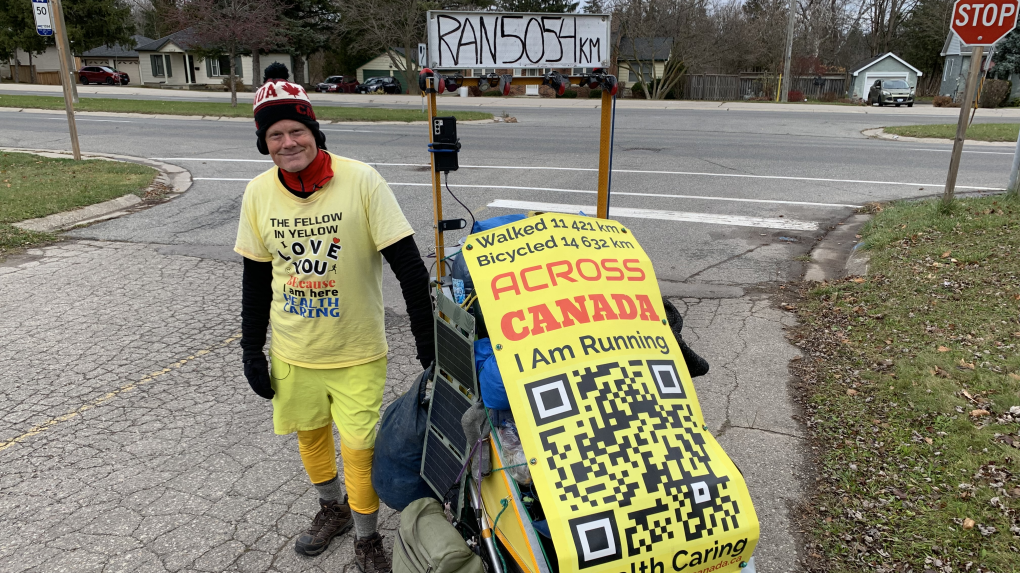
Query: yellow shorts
x: 309, y: 398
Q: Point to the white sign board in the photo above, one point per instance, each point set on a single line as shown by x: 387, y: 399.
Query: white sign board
x: 467, y: 40
x: 422, y: 56
x: 41, y: 9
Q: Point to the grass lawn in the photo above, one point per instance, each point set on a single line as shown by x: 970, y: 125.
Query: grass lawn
x: 33, y: 186
x: 222, y: 109
x: 977, y: 131
x: 911, y: 378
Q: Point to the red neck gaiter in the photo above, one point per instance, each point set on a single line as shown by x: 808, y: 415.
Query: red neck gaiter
x: 311, y: 178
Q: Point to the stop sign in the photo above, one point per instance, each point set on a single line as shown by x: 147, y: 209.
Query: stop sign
x: 980, y: 23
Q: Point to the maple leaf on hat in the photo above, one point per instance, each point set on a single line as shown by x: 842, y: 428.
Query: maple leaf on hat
x: 292, y: 89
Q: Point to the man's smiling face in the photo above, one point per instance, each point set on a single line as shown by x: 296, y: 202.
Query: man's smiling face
x: 291, y: 145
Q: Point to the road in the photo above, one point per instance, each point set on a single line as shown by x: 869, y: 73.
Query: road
x: 130, y: 441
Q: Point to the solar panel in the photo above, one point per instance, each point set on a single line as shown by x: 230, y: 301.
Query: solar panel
x: 455, y: 355
x: 440, y: 466
x: 455, y: 389
x: 448, y: 407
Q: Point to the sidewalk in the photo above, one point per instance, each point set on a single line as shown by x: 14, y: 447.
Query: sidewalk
x: 497, y: 103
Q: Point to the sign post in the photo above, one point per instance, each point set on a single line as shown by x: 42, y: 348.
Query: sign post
x: 43, y: 10
x: 978, y: 25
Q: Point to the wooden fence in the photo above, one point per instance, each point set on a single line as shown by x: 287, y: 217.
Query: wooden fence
x: 726, y: 87
x: 42, y: 78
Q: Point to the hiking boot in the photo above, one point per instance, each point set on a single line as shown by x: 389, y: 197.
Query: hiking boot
x: 369, y: 555
x: 334, y: 518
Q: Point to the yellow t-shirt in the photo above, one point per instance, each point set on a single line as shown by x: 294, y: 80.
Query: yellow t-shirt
x: 327, y: 309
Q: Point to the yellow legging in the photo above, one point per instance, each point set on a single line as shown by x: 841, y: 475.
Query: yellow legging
x: 318, y: 454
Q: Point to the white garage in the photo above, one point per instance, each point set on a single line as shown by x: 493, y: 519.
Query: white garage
x: 885, y: 67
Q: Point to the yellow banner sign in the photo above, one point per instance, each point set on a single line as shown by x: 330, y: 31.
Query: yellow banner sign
x: 629, y: 479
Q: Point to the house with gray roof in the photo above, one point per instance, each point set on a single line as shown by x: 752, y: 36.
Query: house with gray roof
x: 639, y: 57
x: 957, y: 65
x: 120, y: 57
x: 172, y: 62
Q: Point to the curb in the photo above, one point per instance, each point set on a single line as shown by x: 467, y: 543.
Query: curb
x: 838, y: 254
x: 879, y: 133
x: 170, y: 176
x: 216, y: 117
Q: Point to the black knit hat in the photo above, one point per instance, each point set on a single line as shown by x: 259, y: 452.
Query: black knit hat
x: 279, y: 99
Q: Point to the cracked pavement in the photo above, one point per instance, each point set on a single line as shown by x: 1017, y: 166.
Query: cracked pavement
x: 747, y: 405
x: 131, y: 441
x: 178, y: 470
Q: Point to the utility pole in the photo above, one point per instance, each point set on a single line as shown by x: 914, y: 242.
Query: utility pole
x: 58, y: 16
x: 65, y: 74
x: 785, y: 87
x: 961, y: 127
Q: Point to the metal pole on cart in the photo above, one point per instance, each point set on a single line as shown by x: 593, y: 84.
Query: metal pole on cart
x: 605, y: 153
x: 437, y: 190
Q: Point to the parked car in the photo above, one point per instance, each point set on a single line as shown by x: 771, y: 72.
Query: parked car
x: 102, y: 75
x: 895, y: 92
x: 385, y: 84
x: 338, y: 84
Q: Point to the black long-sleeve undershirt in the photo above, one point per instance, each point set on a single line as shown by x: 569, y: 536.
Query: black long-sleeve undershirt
x: 406, y: 263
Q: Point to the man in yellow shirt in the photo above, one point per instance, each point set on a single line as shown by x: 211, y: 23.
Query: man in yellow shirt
x: 314, y: 231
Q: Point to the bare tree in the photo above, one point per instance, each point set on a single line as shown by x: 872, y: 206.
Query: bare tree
x: 679, y: 33
x: 387, y: 25
x: 229, y: 27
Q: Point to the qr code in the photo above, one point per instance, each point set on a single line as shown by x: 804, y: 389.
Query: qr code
x: 623, y: 444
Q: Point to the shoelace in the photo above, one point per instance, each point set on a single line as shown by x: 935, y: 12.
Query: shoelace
x: 375, y: 551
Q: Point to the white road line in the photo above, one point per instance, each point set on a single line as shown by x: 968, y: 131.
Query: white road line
x: 641, y: 171
x: 624, y: 212
x: 354, y: 130
x: 632, y: 194
x: 85, y: 119
x: 553, y: 189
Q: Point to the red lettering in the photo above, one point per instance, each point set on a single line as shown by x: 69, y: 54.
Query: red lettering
x: 598, y: 271
x: 565, y: 275
x: 625, y: 306
x: 524, y: 279
x: 507, y: 325
x: 542, y: 319
x: 634, y: 269
x: 608, y: 268
x: 511, y: 287
x: 571, y: 312
x: 646, y: 308
x: 602, y: 310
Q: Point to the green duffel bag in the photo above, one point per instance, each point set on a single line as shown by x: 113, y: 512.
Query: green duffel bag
x: 427, y: 543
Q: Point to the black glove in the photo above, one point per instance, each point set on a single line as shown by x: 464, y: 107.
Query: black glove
x: 696, y: 365
x: 256, y: 370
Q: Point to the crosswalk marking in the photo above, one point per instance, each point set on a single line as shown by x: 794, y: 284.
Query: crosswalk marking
x: 626, y: 212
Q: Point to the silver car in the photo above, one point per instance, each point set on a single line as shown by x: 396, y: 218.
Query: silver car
x: 895, y: 92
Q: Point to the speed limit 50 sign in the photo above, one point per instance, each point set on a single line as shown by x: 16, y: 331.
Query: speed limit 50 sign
x: 43, y: 24
x: 983, y: 23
